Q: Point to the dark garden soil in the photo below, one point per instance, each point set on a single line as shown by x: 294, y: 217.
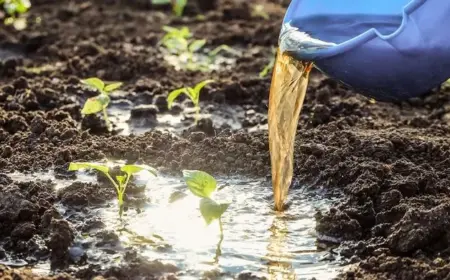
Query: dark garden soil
x: 390, y: 160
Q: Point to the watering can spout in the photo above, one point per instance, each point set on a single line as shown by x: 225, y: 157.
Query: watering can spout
x: 292, y: 41
x: 388, y: 50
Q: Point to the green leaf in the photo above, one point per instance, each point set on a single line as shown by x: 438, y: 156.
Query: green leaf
x: 121, y: 180
x: 185, y: 32
x: 112, y: 87
x: 74, y: 166
x: 200, y: 183
x: 176, y: 44
x: 23, y: 6
x: 193, y: 95
x: 135, y: 168
x: 178, y: 7
x: 95, y: 104
x: 267, y: 69
x: 92, y: 106
x: 212, y: 210
x: 201, y: 85
x: 95, y: 83
x: 161, y: 2
x: 223, y: 48
x: 169, y: 29
x: 174, y: 94
x: 196, y: 45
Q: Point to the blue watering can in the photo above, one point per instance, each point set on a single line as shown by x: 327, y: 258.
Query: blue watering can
x: 390, y: 50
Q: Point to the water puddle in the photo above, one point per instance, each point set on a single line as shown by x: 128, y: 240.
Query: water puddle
x: 200, y: 61
x: 222, y: 116
x: 169, y: 228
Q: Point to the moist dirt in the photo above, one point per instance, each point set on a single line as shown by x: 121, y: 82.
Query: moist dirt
x: 389, y: 161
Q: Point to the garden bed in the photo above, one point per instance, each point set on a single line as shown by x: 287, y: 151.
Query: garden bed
x: 385, y: 166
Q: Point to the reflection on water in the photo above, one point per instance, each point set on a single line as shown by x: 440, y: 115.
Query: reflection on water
x: 256, y: 238
x: 223, y: 116
x: 279, y: 264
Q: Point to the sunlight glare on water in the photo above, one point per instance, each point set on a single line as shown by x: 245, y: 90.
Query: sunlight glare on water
x: 256, y: 238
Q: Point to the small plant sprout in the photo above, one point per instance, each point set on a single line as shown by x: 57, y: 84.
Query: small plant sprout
x: 192, y: 93
x: 121, y: 181
x: 213, y: 54
x: 259, y: 11
x: 269, y: 66
x: 176, y: 39
x: 177, y: 5
x: 100, y: 102
x: 203, y: 185
x: 14, y: 9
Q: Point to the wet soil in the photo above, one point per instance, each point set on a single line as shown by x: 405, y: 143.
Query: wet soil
x: 389, y: 160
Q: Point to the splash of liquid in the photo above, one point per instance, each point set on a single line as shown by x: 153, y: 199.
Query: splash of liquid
x: 287, y: 93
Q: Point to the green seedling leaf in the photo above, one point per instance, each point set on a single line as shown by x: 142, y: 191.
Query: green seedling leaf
x: 132, y: 169
x: 121, y: 180
x: 74, y: 166
x: 183, y: 32
x: 223, y: 48
x: 200, y: 183
x: 201, y: 85
x: 161, y: 2
x: 112, y: 87
x: 176, y: 44
x: 95, y: 104
x: 174, y: 94
x: 95, y: 83
x: 212, y: 210
x: 92, y: 106
x: 170, y: 29
x: 178, y: 7
x: 259, y: 11
x: 23, y: 6
x: 267, y: 69
x: 193, y: 95
x: 196, y: 45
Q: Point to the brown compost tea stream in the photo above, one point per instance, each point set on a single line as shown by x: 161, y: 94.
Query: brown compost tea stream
x: 287, y: 93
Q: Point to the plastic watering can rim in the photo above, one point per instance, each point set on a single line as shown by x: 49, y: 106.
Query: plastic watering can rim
x: 336, y: 49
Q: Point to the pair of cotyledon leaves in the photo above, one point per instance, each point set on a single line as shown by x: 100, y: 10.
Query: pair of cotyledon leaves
x: 129, y: 169
x: 100, y: 102
x: 204, y: 185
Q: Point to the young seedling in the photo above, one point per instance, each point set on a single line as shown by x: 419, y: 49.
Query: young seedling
x: 100, y: 102
x: 203, y: 185
x: 192, y: 93
x: 178, y: 42
x: 13, y: 9
x: 176, y: 39
x: 213, y: 54
x: 121, y: 181
x: 177, y: 5
x: 259, y: 11
x: 269, y: 66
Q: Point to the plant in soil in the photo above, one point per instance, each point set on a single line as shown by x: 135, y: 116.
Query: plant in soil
x: 175, y: 39
x: 258, y: 10
x: 204, y: 185
x: 121, y: 181
x: 178, y: 41
x: 177, y: 5
x: 100, y: 102
x: 192, y: 93
x: 14, y: 9
x: 269, y: 65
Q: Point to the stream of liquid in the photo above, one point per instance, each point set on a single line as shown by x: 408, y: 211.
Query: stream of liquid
x: 287, y: 92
